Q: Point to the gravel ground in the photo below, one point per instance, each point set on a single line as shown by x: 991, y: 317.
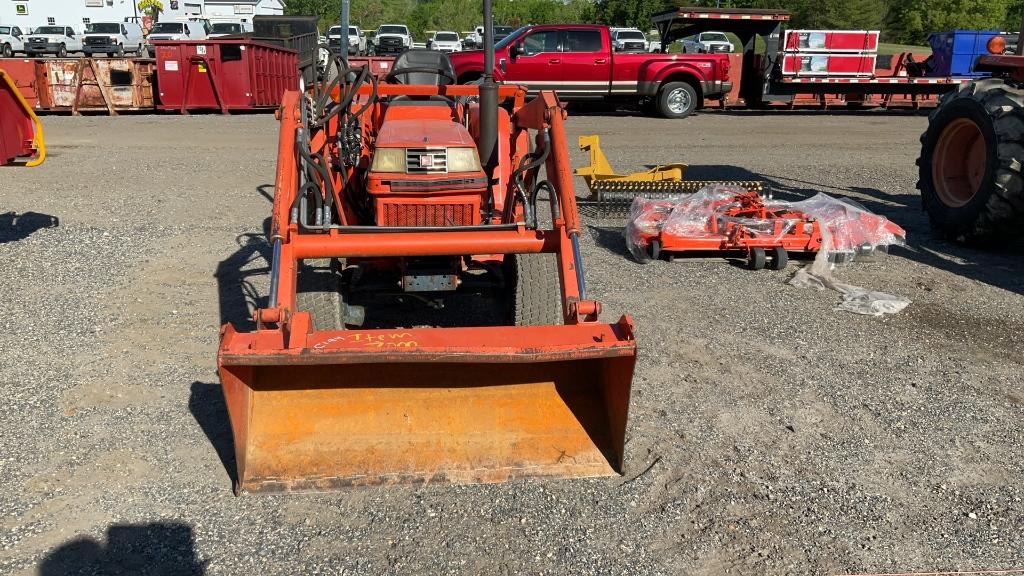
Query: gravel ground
x: 768, y: 434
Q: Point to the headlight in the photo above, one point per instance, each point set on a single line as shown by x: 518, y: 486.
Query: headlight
x: 388, y: 160
x: 463, y: 160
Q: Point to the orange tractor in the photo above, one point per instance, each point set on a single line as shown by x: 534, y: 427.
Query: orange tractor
x: 427, y: 318
x: 972, y: 154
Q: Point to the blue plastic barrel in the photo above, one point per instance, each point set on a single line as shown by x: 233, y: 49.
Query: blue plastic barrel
x: 954, y: 53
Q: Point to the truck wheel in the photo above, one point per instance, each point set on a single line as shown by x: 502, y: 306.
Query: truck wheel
x: 971, y: 161
x: 120, y: 51
x: 677, y: 100
x: 62, y: 52
x: 318, y: 291
x: 7, y: 52
x: 533, y: 289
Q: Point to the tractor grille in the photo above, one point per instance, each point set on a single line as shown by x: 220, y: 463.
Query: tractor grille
x: 97, y: 41
x: 391, y: 42
x: 633, y: 45
x: 401, y: 214
x: 426, y: 161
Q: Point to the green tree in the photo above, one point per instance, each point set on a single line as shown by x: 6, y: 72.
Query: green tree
x: 911, y: 21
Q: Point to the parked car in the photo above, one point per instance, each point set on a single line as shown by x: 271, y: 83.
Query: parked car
x: 182, y: 30
x: 112, y: 38
x: 357, y: 43
x: 58, y: 40
x: 445, y: 41
x: 11, y: 41
x: 229, y: 28
x: 476, y: 37
x: 629, y: 40
x: 578, y: 62
x: 392, y: 39
x: 708, y: 43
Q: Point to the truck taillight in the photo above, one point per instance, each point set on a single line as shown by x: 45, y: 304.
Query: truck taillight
x: 726, y: 66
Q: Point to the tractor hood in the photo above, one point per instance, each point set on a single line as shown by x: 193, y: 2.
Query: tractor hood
x: 423, y: 133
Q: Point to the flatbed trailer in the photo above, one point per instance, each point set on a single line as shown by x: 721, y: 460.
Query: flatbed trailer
x: 761, y: 82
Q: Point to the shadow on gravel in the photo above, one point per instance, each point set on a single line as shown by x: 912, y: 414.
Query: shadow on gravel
x: 14, y: 226
x: 156, y: 549
x: 236, y: 293
x: 206, y: 403
x: 1002, y: 268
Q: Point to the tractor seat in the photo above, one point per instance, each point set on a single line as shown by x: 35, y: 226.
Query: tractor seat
x: 422, y: 68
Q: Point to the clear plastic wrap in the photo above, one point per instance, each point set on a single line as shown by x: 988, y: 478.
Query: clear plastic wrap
x: 847, y: 231
x: 688, y: 215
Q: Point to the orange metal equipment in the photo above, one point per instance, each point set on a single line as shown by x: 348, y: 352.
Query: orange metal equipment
x: 389, y: 203
x: 21, y: 133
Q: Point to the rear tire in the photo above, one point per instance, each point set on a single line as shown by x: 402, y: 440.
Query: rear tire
x: 677, y: 100
x: 318, y: 291
x: 655, y: 249
x: 756, y: 259
x: 972, y: 156
x: 779, y: 258
x: 534, y: 291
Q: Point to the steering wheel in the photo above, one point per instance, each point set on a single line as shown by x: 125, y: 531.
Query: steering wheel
x: 392, y: 76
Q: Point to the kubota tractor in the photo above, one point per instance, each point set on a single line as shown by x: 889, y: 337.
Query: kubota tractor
x: 972, y: 154
x: 393, y: 200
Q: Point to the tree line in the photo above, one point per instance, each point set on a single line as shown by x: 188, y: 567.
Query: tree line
x: 901, y: 21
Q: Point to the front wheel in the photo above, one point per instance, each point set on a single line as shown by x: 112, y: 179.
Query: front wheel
x: 318, y: 291
x: 119, y: 52
x: 677, y: 100
x: 62, y: 52
x: 533, y: 290
x: 970, y: 165
x: 7, y: 51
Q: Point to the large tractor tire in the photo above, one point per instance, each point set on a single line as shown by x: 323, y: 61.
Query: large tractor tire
x: 972, y: 157
x: 534, y: 290
x: 318, y: 291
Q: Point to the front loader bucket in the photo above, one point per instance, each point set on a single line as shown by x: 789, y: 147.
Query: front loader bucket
x: 461, y: 405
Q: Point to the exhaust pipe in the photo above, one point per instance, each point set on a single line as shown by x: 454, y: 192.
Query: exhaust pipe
x: 488, y: 145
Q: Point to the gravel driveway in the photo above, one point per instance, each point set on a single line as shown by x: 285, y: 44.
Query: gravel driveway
x: 768, y: 433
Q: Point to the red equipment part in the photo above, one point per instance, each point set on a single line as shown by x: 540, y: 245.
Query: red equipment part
x: 21, y: 133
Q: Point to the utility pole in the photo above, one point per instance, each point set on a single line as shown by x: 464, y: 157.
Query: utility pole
x: 344, y: 31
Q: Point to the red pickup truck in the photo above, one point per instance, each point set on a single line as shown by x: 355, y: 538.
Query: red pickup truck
x: 578, y: 62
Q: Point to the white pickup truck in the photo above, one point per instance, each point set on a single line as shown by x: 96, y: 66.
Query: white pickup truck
x: 57, y: 40
x: 11, y: 41
x: 708, y: 43
x: 392, y: 39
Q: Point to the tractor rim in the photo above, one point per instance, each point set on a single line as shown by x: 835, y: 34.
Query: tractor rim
x: 959, y: 163
x: 678, y: 100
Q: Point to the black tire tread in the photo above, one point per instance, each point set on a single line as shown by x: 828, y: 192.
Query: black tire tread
x: 1001, y: 218
x: 318, y: 291
x: 536, y: 293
